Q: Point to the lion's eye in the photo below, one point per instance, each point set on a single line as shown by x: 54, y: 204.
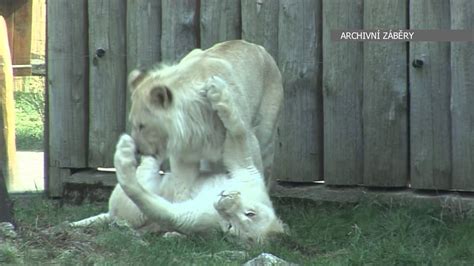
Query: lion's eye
x: 141, y: 126
x: 250, y: 214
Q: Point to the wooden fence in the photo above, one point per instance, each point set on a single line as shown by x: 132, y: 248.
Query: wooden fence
x: 354, y: 113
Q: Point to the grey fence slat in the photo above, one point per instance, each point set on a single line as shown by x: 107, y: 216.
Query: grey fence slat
x: 67, y: 83
x: 298, y: 154
x: 385, y: 98
x: 430, y: 116
x: 220, y: 21
x: 143, y: 36
x: 107, y: 79
x: 462, y: 105
x: 342, y: 92
x: 260, y: 23
x: 179, y: 30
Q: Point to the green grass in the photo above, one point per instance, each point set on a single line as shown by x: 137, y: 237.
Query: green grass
x: 321, y: 234
x: 29, y: 120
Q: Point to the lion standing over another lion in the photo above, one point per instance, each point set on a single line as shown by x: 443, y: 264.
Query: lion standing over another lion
x: 171, y: 116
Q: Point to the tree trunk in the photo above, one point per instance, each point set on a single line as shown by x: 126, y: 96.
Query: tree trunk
x: 6, y: 206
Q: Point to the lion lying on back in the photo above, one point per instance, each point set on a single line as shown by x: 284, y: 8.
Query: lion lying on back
x: 172, y: 118
x: 236, y: 203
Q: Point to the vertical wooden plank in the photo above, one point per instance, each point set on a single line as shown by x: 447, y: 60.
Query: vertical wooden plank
x: 342, y: 93
x: 462, y: 107
x: 67, y: 88
x: 220, y: 21
x: 107, y: 82
x: 430, y: 123
x: 298, y: 154
x: 180, y: 33
x: 385, y: 98
x: 260, y: 23
x: 55, y: 189
x: 143, y: 36
x: 21, y: 53
x: 7, y: 110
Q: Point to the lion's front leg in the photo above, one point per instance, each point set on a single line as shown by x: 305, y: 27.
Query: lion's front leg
x: 152, y: 205
x: 241, y: 147
x: 126, y: 164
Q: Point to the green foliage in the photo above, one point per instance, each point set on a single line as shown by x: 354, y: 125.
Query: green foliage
x: 30, y: 118
x: 320, y: 234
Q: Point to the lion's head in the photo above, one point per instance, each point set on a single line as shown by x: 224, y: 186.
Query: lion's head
x: 250, y: 217
x: 169, y: 112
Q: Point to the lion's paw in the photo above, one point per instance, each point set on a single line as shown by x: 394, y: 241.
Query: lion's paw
x: 173, y: 235
x: 228, y: 202
x: 217, y: 95
x: 124, y: 159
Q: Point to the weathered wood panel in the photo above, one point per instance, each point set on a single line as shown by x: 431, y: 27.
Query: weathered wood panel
x: 7, y: 111
x: 299, y: 140
x: 54, y: 187
x: 462, y: 107
x: 430, y: 122
x: 260, y: 23
x: 342, y: 92
x: 143, y: 36
x: 385, y: 98
x: 180, y: 33
x: 107, y: 83
x: 67, y: 83
x: 220, y: 21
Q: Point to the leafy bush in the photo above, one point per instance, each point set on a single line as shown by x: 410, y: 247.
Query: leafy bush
x: 30, y: 118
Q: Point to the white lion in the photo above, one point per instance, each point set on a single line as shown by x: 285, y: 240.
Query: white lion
x: 172, y: 118
x: 236, y: 203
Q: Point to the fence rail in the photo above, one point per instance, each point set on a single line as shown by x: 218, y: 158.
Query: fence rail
x: 354, y: 113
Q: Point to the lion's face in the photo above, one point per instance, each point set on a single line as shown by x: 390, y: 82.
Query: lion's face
x: 248, y: 218
x: 149, y: 113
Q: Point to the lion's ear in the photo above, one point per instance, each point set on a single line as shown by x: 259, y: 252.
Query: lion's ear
x: 161, y: 96
x: 134, y: 78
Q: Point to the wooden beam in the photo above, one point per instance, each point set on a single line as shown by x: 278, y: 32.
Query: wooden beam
x: 7, y: 109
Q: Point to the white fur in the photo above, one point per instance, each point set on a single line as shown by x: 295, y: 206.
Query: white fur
x: 236, y: 203
x: 185, y: 128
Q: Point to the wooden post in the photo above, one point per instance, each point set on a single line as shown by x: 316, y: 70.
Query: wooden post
x: 18, y: 17
x: 7, y: 109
